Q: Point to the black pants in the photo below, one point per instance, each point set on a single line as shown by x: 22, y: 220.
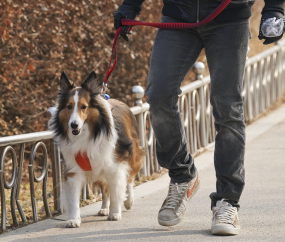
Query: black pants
x: 174, y: 53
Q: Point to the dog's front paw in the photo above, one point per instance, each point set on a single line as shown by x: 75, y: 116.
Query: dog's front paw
x: 73, y: 223
x: 114, y: 217
x: 103, y: 212
x: 128, y: 204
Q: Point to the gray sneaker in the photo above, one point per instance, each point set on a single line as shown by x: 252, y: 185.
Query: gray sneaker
x: 174, y: 206
x: 225, y: 219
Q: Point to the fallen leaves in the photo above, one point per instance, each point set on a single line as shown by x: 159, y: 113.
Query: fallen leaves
x: 40, y: 39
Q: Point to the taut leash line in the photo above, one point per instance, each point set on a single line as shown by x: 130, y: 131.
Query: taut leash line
x: 131, y: 22
x: 214, y: 14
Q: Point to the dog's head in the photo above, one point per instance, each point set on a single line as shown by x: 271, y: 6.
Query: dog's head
x: 79, y: 107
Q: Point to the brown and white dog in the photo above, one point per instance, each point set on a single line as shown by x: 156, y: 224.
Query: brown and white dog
x: 99, y: 142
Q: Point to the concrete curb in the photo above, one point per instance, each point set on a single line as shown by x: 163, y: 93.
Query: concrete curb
x: 263, y: 124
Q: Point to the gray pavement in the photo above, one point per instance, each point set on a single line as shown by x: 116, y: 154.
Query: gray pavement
x: 262, y: 213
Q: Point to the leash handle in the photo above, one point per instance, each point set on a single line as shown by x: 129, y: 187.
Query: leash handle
x: 131, y: 22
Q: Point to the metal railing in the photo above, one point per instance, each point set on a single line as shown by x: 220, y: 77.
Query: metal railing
x: 264, y: 82
x: 196, y: 114
x: 37, y: 140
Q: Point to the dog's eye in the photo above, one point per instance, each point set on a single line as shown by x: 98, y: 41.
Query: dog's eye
x: 83, y: 107
x: 69, y: 106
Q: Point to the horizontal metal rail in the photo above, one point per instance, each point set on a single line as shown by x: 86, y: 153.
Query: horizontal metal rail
x: 15, y: 183
x: 264, y: 82
x: 25, y: 138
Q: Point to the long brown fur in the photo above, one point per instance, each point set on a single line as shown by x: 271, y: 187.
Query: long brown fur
x: 77, y: 106
x: 127, y: 129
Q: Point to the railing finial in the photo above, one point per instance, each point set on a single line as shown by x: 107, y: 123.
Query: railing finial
x: 199, y: 68
x: 139, y: 94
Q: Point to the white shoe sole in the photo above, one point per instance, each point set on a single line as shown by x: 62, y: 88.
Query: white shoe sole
x: 224, y: 230
x: 179, y: 219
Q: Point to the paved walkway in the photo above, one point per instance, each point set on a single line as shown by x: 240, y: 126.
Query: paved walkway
x: 262, y: 212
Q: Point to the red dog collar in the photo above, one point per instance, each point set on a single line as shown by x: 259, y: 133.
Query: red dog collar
x: 83, y: 161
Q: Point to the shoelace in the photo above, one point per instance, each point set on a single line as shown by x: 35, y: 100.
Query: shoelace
x: 225, y: 214
x: 174, y: 195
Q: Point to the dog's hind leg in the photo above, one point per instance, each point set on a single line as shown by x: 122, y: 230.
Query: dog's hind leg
x: 104, y: 211
x: 117, y: 182
x: 135, y: 162
x: 130, y: 193
x: 72, y: 188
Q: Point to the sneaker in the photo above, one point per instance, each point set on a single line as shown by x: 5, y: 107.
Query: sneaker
x: 174, y: 206
x: 225, y: 219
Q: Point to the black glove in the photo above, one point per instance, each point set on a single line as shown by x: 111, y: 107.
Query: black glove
x: 124, y: 11
x: 265, y: 16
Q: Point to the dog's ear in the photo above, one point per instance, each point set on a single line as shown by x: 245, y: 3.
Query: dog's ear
x: 90, y: 84
x: 65, y: 84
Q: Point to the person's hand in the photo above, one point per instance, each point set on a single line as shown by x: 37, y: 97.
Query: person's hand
x: 124, y: 12
x: 271, y: 27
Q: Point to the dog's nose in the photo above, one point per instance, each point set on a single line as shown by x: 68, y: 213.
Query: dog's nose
x: 74, y: 125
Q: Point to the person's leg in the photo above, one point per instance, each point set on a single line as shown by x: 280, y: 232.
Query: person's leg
x: 174, y: 53
x: 226, y: 47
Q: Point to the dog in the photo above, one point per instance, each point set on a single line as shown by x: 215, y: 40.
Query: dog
x: 99, y: 142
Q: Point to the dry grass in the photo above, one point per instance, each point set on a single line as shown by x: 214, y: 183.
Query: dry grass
x: 25, y: 201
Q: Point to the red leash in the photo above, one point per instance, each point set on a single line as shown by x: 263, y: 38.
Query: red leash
x: 131, y: 22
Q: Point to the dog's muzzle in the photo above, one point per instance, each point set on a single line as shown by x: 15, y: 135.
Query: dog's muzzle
x: 76, y: 131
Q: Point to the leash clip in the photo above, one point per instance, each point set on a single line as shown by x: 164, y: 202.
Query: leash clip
x: 103, y: 91
x: 104, y: 88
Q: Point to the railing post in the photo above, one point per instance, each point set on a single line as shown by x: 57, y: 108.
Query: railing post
x: 199, y: 68
x: 139, y: 94
x: 83, y: 192
x: 278, y: 87
x: 57, y: 182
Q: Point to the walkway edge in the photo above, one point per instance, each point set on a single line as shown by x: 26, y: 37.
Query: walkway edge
x: 265, y: 123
